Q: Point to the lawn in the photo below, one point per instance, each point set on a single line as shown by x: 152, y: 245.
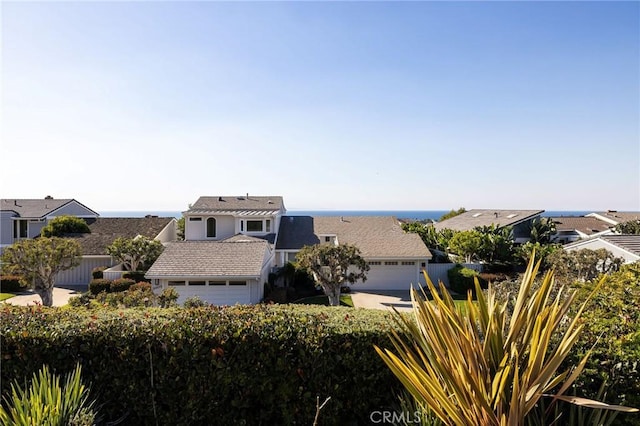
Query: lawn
x: 5, y: 296
x: 345, y: 300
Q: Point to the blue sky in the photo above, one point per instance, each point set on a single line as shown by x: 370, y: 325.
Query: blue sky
x: 333, y: 105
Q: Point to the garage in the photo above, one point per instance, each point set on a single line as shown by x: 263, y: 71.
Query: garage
x: 390, y: 275
x: 215, y: 292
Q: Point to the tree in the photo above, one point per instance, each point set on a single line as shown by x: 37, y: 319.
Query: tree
x: 583, y: 265
x: 542, y: 230
x: 180, y: 229
x: 40, y: 260
x: 452, y: 213
x: 135, y: 253
x: 333, y: 266
x: 631, y: 227
x: 61, y: 225
x: 497, y: 244
x: 466, y: 244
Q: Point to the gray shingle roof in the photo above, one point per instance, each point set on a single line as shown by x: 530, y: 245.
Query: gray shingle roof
x: 104, y: 230
x: 629, y: 243
x: 486, y: 217
x: 375, y: 236
x: 34, y: 208
x: 620, y: 217
x: 240, y: 203
x: 586, y: 225
x: 238, y: 258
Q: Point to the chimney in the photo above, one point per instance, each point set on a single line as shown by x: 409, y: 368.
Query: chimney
x: 495, y: 213
x: 247, y: 195
x: 341, y: 218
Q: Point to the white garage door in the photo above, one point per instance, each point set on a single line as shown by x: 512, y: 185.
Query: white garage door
x: 389, y: 275
x: 216, y: 294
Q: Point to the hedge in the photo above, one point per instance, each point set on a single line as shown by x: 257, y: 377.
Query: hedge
x: 262, y: 364
x: 10, y: 283
x: 461, y: 279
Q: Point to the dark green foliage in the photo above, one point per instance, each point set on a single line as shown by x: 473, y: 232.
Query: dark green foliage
x: 121, y: 284
x: 98, y: 273
x: 64, y: 225
x: 461, y: 279
x: 612, y: 321
x: 11, y: 283
x: 99, y: 285
x: 542, y: 229
x: 631, y: 227
x: 194, y: 302
x: 137, y: 276
x: 261, y: 364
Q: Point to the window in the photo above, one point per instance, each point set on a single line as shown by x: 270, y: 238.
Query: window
x: 237, y: 283
x: 268, y: 225
x: 196, y: 283
x: 195, y: 219
x: 375, y: 263
x: 327, y: 239
x: 217, y: 283
x: 254, y: 226
x: 423, y: 264
x: 176, y: 283
x: 211, y: 227
x: 390, y: 263
x: 20, y: 229
x: 408, y: 263
x: 241, y: 225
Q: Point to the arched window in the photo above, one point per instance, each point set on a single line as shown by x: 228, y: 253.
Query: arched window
x: 211, y: 227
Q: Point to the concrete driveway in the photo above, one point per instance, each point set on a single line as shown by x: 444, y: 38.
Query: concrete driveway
x: 61, y: 296
x: 386, y: 300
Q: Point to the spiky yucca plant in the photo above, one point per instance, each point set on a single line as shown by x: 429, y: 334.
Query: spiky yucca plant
x: 472, y: 366
x: 46, y: 403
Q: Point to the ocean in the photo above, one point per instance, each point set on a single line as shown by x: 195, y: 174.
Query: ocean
x: 400, y: 214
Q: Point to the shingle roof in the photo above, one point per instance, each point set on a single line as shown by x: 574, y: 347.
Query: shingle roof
x: 629, y: 243
x: 104, y: 230
x: 619, y: 217
x: 239, y: 203
x: 375, y: 236
x: 486, y: 217
x: 33, y: 208
x: 586, y: 225
x: 242, y: 258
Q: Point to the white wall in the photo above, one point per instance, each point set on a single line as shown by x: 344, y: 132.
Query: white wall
x: 6, y: 227
x: 81, y: 275
x: 596, y: 244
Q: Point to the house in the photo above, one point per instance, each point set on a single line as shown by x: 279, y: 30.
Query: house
x: 518, y: 220
x: 395, y: 258
x: 25, y: 218
x: 573, y: 228
x: 228, y: 250
x: 625, y: 246
x: 232, y: 243
x: 104, y: 231
x: 615, y: 217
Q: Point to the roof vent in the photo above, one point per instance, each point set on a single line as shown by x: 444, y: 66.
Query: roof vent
x: 476, y: 215
x: 269, y: 202
x: 496, y: 214
x: 220, y: 199
x: 512, y: 215
x: 48, y: 197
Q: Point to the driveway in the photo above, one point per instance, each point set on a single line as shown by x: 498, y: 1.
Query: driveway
x: 386, y: 300
x: 61, y: 296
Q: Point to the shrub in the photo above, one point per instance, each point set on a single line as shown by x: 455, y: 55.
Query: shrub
x: 10, y: 283
x: 98, y: 273
x: 99, y: 285
x: 141, y: 286
x: 121, y: 284
x: 461, y: 279
x: 168, y: 297
x: 132, y: 298
x: 262, y: 364
x: 63, y: 225
x: 194, y: 302
x: 137, y: 276
x: 45, y: 402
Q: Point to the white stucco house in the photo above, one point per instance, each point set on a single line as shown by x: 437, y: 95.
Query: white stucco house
x: 233, y: 242
x: 625, y: 246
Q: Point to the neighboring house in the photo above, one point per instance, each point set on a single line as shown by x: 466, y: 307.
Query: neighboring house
x: 518, y: 220
x: 615, y: 217
x: 24, y: 218
x: 228, y: 250
x: 625, y: 246
x: 104, y: 231
x: 573, y: 228
x: 395, y: 258
x: 222, y: 272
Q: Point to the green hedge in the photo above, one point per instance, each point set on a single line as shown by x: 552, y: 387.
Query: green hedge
x: 10, y: 283
x: 234, y: 365
x: 98, y: 285
x: 461, y: 279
